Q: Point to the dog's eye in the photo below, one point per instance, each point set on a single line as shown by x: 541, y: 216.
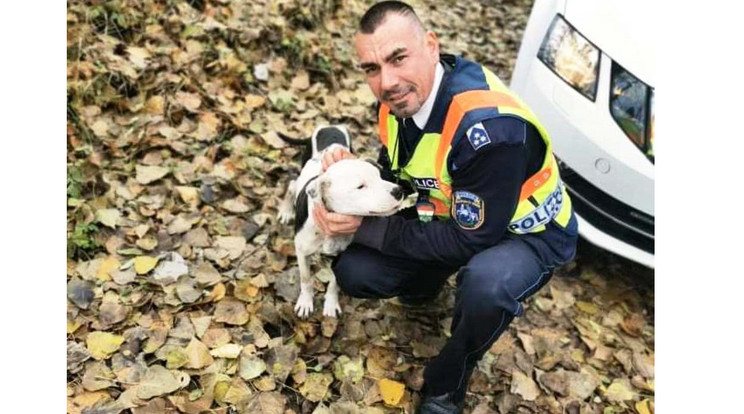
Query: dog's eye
x: 361, y: 186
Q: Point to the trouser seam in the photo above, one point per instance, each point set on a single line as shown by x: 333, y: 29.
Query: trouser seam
x: 503, y: 317
x: 465, y: 363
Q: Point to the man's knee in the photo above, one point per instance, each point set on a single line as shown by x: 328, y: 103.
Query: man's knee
x: 484, y: 291
x: 347, y: 275
x: 493, y: 283
x: 358, y: 275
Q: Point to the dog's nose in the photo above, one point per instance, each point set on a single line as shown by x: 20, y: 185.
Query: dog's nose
x: 397, y: 192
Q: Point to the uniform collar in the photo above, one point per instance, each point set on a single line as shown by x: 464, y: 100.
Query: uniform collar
x: 422, y: 116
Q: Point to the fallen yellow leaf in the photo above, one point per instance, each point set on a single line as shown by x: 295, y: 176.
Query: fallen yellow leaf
x: 251, y: 291
x: 642, y: 407
x: 102, y: 344
x: 188, y: 194
x: 155, y: 105
x: 218, y: 292
x: 86, y: 401
x: 391, y: 391
x: 72, y: 326
x: 587, y: 307
x: 108, y: 265
x: 143, y: 264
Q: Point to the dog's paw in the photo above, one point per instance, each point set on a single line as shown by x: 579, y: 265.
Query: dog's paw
x: 285, y: 215
x: 331, y: 307
x: 304, y: 306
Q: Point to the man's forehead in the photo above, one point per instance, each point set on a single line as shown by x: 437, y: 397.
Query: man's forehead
x: 384, y: 44
x: 395, y: 32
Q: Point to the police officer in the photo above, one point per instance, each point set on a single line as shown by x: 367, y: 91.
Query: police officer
x: 490, y: 207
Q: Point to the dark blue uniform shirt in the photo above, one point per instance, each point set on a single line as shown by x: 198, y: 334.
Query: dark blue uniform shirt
x: 494, y: 172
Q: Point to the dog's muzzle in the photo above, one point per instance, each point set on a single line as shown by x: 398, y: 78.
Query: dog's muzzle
x: 397, y: 193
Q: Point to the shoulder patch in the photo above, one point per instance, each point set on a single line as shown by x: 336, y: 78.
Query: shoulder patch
x: 468, y: 210
x: 478, y: 136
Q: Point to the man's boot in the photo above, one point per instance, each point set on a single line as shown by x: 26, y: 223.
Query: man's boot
x: 448, y: 403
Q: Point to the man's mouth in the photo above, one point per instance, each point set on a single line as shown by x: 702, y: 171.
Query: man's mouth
x: 399, y: 97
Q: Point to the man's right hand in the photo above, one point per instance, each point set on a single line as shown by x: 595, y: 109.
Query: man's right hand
x: 335, y: 155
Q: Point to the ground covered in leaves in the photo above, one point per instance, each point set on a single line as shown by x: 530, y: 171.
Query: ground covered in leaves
x: 180, y: 281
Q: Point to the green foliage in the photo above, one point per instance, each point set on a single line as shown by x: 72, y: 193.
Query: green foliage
x: 75, y: 180
x: 294, y: 49
x: 115, y: 19
x: 81, y: 240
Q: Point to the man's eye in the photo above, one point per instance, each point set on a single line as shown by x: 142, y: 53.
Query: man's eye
x: 398, y: 59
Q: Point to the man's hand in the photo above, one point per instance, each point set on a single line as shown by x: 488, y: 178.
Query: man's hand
x: 334, y: 224
x: 337, y: 154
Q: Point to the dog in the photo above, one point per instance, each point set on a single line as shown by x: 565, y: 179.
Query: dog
x: 349, y: 186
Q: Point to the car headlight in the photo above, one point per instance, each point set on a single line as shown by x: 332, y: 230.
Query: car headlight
x: 631, y: 105
x: 571, y: 56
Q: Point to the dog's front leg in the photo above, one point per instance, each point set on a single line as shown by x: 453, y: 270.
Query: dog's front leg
x: 331, y: 307
x: 304, y: 306
x: 286, y: 208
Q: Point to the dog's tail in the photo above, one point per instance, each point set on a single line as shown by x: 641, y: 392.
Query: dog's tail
x: 294, y: 141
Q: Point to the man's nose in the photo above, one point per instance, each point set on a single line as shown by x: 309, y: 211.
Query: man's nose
x: 397, y: 192
x: 388, y: 79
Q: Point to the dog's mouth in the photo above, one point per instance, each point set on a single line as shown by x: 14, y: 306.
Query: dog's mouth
x: 387, y: 212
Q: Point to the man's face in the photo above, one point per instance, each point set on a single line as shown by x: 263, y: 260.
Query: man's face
x: 399, y: 60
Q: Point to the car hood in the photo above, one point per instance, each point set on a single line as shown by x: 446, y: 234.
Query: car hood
x: 621, y: 29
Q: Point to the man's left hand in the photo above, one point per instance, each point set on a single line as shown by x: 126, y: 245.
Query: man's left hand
x: 335, y: 224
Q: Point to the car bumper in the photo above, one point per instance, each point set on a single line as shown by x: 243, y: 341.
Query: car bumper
x: 608, y: 222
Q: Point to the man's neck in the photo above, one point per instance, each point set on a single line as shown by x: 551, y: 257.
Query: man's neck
x: 422, y: 116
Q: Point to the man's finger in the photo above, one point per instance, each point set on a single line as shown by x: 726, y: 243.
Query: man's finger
x: 320, y: 214
x: 342, y: 223
x: 330, y: 157
x: 326, y: 160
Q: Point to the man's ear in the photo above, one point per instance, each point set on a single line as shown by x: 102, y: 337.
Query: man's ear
x: 432, y: 43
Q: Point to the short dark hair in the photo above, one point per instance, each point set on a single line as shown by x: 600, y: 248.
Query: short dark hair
x: 376, y: 14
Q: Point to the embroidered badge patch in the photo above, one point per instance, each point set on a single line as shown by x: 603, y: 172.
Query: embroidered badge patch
x: 478, y: 136
x: 425, y: 212
x: 467, y: 210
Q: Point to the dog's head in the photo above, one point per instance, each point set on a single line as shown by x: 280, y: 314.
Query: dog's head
x: 354, y: 187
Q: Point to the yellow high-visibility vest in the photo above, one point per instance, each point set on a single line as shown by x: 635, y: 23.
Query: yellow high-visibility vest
x: 542, y: 198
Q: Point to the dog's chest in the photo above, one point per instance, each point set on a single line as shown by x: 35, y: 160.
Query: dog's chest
x: 335, y: 245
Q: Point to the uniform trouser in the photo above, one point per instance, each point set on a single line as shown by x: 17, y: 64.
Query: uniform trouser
x: 490, y: 288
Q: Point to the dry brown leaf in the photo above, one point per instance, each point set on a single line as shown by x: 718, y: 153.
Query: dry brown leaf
x: 86, y: 401
x: 301, y: 81
x: 190, y: 101
x: 231, y: 312
x: 147, y: 174
x: 315, y: 387
x: 157, y: 381
x: 524, y: 386
x: 198, y: 355
x: 620, y: 390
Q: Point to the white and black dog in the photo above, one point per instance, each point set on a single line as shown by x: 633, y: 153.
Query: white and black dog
x: 349, y: 186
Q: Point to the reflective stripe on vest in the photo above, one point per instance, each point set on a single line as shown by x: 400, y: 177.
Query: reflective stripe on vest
x: 542, y: 197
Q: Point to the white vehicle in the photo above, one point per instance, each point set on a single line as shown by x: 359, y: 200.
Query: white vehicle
x: 585, y: 69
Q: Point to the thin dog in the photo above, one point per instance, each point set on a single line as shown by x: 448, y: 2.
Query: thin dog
x: 350, y: 186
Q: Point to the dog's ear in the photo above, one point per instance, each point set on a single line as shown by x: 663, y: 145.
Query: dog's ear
x: 373, y: 162
x: 315, y: 190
